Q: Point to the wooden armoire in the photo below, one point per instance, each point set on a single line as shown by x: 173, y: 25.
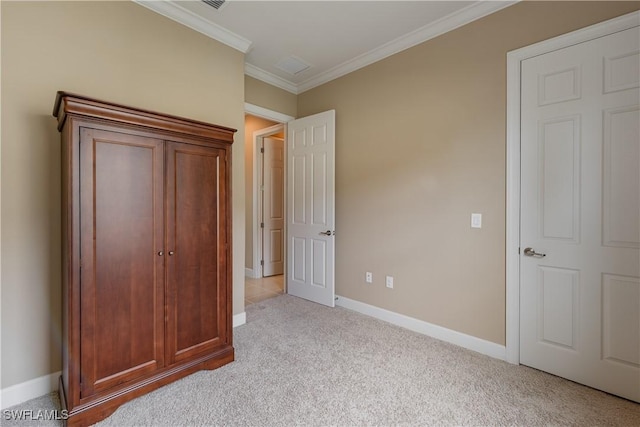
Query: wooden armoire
x: 146, y: 252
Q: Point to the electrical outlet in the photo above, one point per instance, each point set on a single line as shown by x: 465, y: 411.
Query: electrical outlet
x: 368, y: 277
x: 390, y: 282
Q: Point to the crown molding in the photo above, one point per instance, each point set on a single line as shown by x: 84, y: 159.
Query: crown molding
x: 267, y: 77
x: 443, y: 25
x: 457, y: 19
x: 187, y: 18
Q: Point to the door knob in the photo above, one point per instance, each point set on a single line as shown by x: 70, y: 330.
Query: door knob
x: 160, y: 253
x: 326, y: 233
x: 171, y: 253
x: 531, y: 252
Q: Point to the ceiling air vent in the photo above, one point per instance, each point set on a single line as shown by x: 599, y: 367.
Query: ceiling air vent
x: 293, y: 65
x: 215, y: 4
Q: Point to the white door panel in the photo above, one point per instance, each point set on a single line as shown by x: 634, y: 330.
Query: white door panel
x: 273, y: 206
x: 580, y: 205
x: 311, y: 207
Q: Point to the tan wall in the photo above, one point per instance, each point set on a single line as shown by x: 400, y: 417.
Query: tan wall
x: 420, y: 145
x: 270, y: 97
x: 116, y: 51
x: 252, y: 124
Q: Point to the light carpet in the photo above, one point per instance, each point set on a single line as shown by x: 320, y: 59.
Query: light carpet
x: 302, y: 364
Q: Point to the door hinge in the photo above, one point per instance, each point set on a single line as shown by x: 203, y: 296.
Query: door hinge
x: 262, y: 150
x: 261, y: 262
x: 518, y: 251
x: 262, y: 225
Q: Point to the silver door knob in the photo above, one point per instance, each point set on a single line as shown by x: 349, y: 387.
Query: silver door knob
x: 171, y: 253
x: 326, y: 233
x: 531, y: 252
x: 160, y: 253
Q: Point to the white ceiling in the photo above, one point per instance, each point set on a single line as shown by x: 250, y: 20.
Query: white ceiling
x: 332, y: 37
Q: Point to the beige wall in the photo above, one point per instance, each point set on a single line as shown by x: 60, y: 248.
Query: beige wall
x: 420, y: 146
x: 264, y: 95
x: 251, y: 124
x: 117, y: 51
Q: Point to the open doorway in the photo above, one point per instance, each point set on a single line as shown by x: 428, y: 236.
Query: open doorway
x: 308, y: 217
x: 265, y: 208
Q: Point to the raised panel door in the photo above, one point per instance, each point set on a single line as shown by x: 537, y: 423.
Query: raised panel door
x: 273, y: 207
x: 197, y: 250
x: 580, y: 184
x: 311, y: 208
x: 122, y: 275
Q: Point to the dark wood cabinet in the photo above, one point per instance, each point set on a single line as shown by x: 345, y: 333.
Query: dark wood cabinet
x: 146, y: 252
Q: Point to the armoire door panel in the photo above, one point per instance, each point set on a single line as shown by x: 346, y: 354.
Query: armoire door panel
x: 196, y: 242
x: 121, y: 217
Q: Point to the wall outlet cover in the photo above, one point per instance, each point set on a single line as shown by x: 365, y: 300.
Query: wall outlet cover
x: 389, y: 282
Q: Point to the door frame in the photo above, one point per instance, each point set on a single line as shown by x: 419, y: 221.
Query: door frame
x: 514, y: 60
x: 256, y: 142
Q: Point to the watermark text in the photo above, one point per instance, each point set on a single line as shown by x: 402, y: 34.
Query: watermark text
x: 35, y: 414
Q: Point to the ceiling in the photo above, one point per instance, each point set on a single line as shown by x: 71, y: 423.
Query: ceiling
x: 329, y: 38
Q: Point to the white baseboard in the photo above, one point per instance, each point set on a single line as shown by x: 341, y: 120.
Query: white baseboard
x: 28, y: 390
x: 458, y: 338
x: 248, y: 272
x: 239, y: 319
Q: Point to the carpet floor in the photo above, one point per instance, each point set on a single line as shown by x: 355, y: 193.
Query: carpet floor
x: 302, y: 364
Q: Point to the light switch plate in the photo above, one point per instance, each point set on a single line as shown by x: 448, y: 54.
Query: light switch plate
x: 476, y: 220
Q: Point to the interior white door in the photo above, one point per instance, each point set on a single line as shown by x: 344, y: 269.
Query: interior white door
x: 311, y: 208
x: 272, y: 206
x: 580, y: 205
